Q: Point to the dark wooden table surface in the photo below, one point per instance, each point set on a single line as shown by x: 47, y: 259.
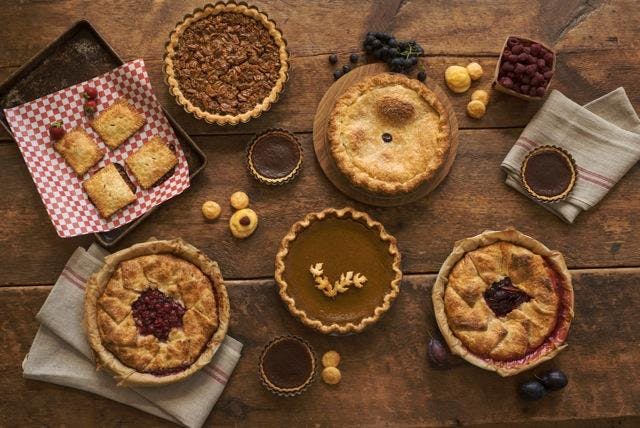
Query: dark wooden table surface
x: 386, y: 379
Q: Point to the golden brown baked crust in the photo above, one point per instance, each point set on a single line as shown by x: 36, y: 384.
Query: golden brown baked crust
x: 404, y: 109
x: 180, y: 271
x: 151, y: 162
x: 212, y: 117
x: 79, y: 150
x: 533, y: 330
x: 108, y: 190
x: 348, y: 327
x: 118, y: 122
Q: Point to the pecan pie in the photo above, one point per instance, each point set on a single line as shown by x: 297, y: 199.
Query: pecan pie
x: 389, y: 134
x: 338, y: 270
x: 226, y: 63
x: 156, y: 312
x: 504, y: 301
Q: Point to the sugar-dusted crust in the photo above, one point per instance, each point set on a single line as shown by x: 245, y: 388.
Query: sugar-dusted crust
x: 349, y: 327
x: 79, y: 150
x: 403, y: 108
x: 151, y: 162
x: 211, y: 117
x: 108, y: 190
x: 532, y: 333
x: 182, y: 271
x: 118, y: 122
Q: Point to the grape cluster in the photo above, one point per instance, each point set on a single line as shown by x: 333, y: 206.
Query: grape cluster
x: 401, y: 56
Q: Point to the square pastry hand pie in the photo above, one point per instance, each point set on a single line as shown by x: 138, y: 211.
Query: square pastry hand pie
x: 110, y: 189
x: 153, y: 161
x: 156, y: 312
x: 79, y: 150
x: 118, y: 122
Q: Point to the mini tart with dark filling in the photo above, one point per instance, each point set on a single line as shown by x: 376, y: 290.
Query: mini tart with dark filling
x: 548, y: 173
x: 503, y: 301
x: 338, y: 270
x: 274, y: 157
x: 389, y: 134
x: 226, y: 63
x: 287, y: 366
x: 156, y: 312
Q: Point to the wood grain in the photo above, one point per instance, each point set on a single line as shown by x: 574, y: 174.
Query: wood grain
x: 322, y: 147
x: 472, y: 198
x: 386, y: 377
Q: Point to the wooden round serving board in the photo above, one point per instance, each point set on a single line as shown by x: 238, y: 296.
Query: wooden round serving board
x: 323, y: 153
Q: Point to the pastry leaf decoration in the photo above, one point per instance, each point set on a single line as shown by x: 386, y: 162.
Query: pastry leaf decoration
x: 347, y: 279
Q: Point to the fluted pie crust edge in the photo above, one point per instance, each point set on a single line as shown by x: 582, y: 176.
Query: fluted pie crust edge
x: 335, y: 328
x: 211, y: 9
x: 95, y: 287
x: 343, y: 159
x: 488, y: 237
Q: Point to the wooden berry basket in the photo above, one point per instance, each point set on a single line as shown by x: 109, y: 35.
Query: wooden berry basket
x: 498, y: 87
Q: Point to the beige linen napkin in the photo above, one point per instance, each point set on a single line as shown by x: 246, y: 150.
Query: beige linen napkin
x: 61, y: 354
x: 603, y: 137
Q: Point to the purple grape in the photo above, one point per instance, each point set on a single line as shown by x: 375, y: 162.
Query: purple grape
x: 438, y: 354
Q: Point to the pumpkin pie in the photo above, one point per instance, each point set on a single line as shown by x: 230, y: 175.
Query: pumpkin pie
x: 388, y: 134
x: 503, y: 301
x: 338, y: 270
x: 156, y: 312
x: 226, y: 63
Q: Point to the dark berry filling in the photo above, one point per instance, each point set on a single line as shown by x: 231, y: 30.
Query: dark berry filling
x: 503, y: 297
x: 157, y: 314
x: 387, y: 138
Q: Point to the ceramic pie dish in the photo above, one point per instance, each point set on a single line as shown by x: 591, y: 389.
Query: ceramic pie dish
x: 389, y: 134
x: 338, y: 270
x: 503, y: 301
x: 226, y: 63
x: 156, y: 312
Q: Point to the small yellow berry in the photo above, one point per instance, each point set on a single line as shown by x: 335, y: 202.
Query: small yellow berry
x: 457, y: 78
x: 239, y: 200
x: 476, y: 109
x: 331, y: 359
x: 331, y: 375
x: 480, y: 95
x: 475, y: 70
x: 211, y: 210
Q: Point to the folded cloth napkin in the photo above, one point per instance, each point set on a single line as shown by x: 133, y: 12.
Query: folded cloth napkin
x: 603, y: 137
x: 61, y: 354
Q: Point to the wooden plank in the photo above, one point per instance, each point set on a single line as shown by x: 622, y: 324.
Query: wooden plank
x: 450, y: 28
x: 386, y: 377
x: 472, y: 198
x: 583, y: 76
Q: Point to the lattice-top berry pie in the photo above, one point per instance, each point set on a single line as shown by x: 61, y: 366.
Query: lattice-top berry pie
x: 156, y: 312
x: 503, y: 301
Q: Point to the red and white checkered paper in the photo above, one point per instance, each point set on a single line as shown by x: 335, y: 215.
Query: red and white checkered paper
x: 69, y: 207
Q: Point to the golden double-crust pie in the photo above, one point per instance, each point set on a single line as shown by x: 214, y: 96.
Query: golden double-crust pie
x: 152, y: 162
x: 118, y: 122
x: 226, y: 63
x: 110, y: 189
x: 504, y: 301
x: 156, y: 312
x: 79, y: 150
x: 389, y: 134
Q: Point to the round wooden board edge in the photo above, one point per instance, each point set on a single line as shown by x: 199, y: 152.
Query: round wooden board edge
x: 330, y: 169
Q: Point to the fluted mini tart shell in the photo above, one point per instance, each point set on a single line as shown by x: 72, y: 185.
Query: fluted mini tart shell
x: 287, y: 392
x: 274, y: 181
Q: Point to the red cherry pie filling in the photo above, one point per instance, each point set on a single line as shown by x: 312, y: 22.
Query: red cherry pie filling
x: 157, y: 314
